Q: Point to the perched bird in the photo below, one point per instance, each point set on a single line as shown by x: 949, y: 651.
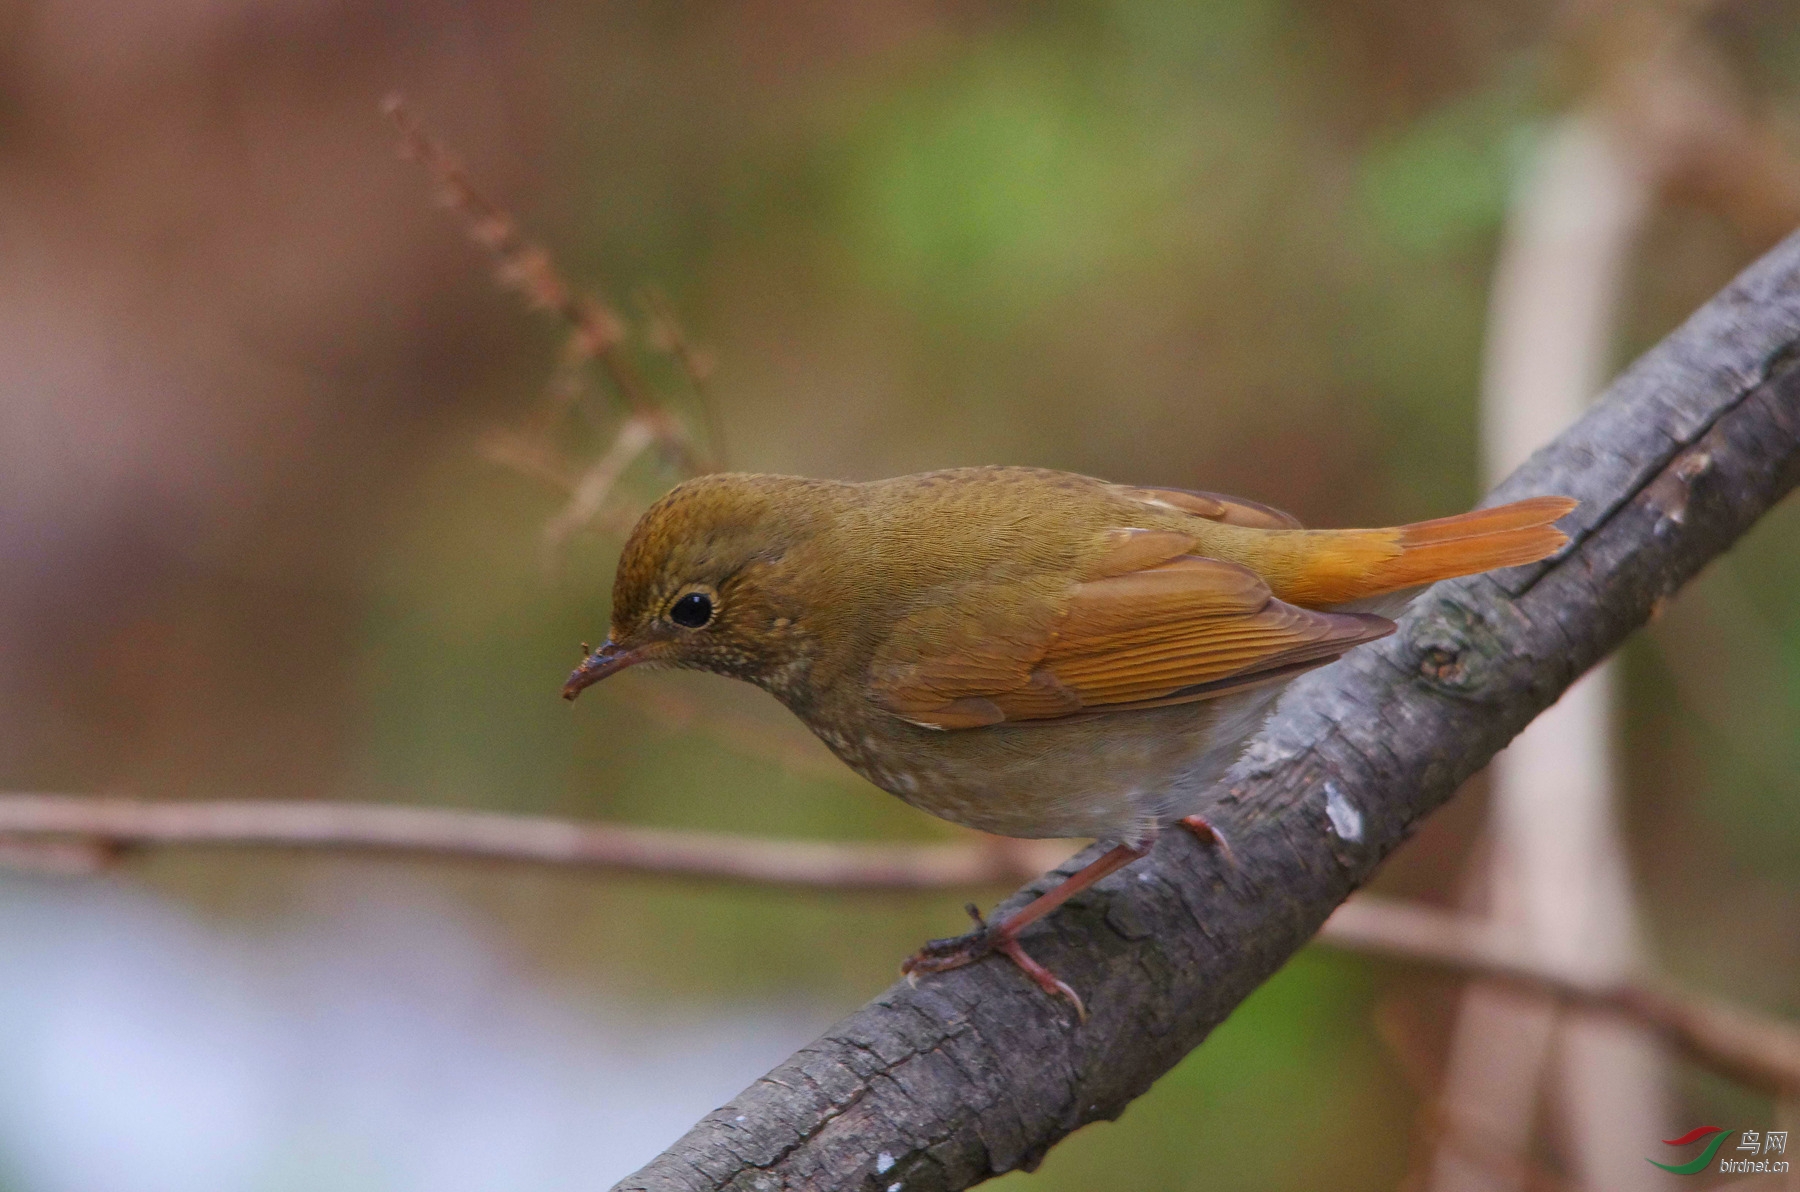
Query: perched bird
x: 1027, y: 652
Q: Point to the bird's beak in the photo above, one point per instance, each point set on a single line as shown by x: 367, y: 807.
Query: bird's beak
x: 608, y: 659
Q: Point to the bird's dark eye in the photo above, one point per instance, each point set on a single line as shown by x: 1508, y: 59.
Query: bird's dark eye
x: 692, y: 611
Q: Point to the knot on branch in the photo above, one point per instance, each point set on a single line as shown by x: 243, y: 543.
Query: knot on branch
x: 1673, y: 489
x: 1461, y: 652
x: 1443, y: 666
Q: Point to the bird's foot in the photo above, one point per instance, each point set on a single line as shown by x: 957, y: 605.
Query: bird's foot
x: 940, y: 956
x: 1206, y: 834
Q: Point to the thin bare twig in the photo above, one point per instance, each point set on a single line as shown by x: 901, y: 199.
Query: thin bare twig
x: 127, y: 824
x: 1760, y: 1052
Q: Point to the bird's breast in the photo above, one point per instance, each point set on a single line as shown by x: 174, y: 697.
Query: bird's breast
x: 1111, y: 776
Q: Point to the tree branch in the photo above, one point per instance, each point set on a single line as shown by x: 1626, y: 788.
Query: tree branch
x: 70, y: 834
x: 1756, y: 1051
x: 106, y: 826
x: 974, y: 1072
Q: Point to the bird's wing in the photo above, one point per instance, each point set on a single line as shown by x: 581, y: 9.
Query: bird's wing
x: 1168, y: 630
x: 1233, y: 511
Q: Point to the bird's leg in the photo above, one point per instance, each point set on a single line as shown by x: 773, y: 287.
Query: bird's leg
x: 1205, y: 833
x: 1002, y: 936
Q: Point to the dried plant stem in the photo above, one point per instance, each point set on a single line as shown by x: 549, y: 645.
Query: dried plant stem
x: 523, y: 266
x: 666, y: 335
x: 529, y: 456
x: 594, y: 487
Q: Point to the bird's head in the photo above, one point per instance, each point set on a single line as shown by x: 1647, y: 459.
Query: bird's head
x: 706, y: 581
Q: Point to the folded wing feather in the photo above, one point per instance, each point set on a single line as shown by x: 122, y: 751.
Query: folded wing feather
x: 1185, y: 628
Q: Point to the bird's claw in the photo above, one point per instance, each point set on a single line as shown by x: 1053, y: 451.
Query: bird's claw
x: 1206, y: 833
x: 1046, y: 980
x: 940, y: 956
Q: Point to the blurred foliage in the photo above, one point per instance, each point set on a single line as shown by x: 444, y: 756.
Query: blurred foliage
x: 1445, y: 178
x: 1241, y: 245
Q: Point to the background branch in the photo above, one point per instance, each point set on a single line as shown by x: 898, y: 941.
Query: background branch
x: 972, y: 1073
x: 1757, y: 1051
x: 35, y: 821
x: 79, y: 833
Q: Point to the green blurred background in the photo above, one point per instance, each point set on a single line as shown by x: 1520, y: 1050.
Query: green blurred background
x: 252, y: 545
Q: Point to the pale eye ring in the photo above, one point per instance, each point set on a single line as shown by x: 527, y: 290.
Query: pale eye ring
x: 692, y: 611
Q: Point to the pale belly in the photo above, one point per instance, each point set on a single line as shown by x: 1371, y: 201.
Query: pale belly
x: 1121, y: 776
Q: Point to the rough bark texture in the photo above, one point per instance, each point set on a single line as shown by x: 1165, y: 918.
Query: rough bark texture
x: 975, y: 1072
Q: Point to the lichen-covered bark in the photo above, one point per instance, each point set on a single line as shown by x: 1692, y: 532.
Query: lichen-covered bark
x: 975, y: 1072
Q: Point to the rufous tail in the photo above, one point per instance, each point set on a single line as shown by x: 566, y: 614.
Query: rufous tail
x: 1335, y: 567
